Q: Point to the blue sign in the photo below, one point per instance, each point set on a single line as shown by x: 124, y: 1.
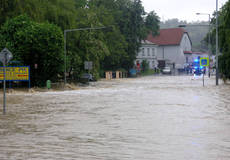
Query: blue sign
x: 204, y: 61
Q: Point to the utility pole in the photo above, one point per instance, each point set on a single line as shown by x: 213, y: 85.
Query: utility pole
x: 217, y: 54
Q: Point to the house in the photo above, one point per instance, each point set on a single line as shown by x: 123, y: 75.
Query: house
x: 171, y: 44
x: 147, y: 51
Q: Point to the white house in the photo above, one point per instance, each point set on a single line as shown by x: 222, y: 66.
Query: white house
x: 171, y: 44
x: 148, y: 52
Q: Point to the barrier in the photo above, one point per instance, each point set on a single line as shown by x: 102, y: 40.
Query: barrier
x: 118, y: 74
x: 108, y: 75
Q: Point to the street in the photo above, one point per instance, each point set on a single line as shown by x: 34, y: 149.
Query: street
x: 153, y: 117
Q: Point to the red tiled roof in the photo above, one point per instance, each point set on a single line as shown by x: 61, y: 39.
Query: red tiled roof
x: 171, y: 36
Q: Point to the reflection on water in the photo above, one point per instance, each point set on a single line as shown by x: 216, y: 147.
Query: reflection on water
x: 162, y: 117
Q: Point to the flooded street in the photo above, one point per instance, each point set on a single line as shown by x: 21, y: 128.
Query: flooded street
x: 155, y: 117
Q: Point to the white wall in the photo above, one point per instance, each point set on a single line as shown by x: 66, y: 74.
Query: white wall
x: 172, y: 54
x: 175, y: 53
x: 185, y: 43
x: 150, y: 56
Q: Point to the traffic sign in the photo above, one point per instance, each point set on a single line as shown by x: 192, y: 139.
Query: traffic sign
x: 88, y: 65
x: 204, y: 61
x: 5, y: 56
x: 20, y: 73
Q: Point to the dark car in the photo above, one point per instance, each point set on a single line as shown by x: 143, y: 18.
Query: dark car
x: 85, y: 77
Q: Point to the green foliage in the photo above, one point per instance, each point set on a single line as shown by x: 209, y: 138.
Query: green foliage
x: 35, y: 43
x: 148, y: 72
x: 224, y: 40
x: 109, y: 49
x: 144, y: 65
x: 152, y: 23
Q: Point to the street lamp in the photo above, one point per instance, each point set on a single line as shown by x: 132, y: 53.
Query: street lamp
x: 209, y: 44
x: 72, y: 30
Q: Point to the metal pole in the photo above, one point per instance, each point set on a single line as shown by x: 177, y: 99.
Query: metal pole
x: 203, y: 78
x: 217, y: 69
x: 65, y: 56
x: 209, y: 45
x: 4, y: 87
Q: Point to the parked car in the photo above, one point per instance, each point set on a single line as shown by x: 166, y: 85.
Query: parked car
x: 166, y: 70
x: 85, y: 77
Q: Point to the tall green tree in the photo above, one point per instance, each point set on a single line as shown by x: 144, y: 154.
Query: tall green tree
x: 35, y: 43
x: 108, y: 49
x: 152, y: 23
x: 224, y: 35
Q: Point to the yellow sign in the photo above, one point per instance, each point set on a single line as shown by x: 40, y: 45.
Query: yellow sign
x: 204, y: 61
x: 15, y: 74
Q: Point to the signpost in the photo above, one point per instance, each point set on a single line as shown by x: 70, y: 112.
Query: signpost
x: 20, y: 73
x: 5, y: 57
x: 88, y: 65
x: 204, y: 62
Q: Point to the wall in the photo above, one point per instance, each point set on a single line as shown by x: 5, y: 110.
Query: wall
x: 172, y: 54
x: 151, y: 57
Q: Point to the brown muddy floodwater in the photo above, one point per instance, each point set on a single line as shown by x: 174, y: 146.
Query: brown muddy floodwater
x: 150, y: 118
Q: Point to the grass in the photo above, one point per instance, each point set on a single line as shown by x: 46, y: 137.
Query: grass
x: 148, y: 72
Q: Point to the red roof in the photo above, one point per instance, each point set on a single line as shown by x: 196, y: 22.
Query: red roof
x: 171, y: 36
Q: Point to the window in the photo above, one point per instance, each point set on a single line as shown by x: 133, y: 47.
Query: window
x: 153, y: 52
x: 148, y: 52
x: 143, y: 51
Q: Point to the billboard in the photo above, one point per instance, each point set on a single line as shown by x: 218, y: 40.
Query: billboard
x: 15, y: 73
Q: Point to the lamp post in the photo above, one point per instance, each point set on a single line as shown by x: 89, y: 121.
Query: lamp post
x: 217, y: 54
x: 209, y: 44
x: 73, y: 30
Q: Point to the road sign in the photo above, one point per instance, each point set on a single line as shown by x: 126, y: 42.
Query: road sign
x: 5, y: 56
x: 88, y: 65
x: 204, y: 61
x: 15, y: 73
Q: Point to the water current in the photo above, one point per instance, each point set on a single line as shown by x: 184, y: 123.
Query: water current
x: 148, y: 118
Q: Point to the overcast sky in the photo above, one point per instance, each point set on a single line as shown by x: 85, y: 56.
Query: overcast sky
x: 182, y: 9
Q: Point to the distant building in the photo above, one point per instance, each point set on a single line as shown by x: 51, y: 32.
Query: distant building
x: 191, y: 56
x: 170, y: 46
x: 148, y: 52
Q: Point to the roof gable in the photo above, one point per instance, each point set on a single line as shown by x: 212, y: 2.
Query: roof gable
x: 171, y: 36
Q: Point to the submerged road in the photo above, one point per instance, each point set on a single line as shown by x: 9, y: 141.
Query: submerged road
x: 156, y: 117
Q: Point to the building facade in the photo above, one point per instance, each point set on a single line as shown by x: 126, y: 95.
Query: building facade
x: 148, y: 52
x: 171, y: 45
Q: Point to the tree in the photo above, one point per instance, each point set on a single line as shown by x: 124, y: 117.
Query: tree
x: 152, y: 23
x: 35, y: 43
x: 224, y: 34
x: 114, y: 49
x: 144, y: 65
